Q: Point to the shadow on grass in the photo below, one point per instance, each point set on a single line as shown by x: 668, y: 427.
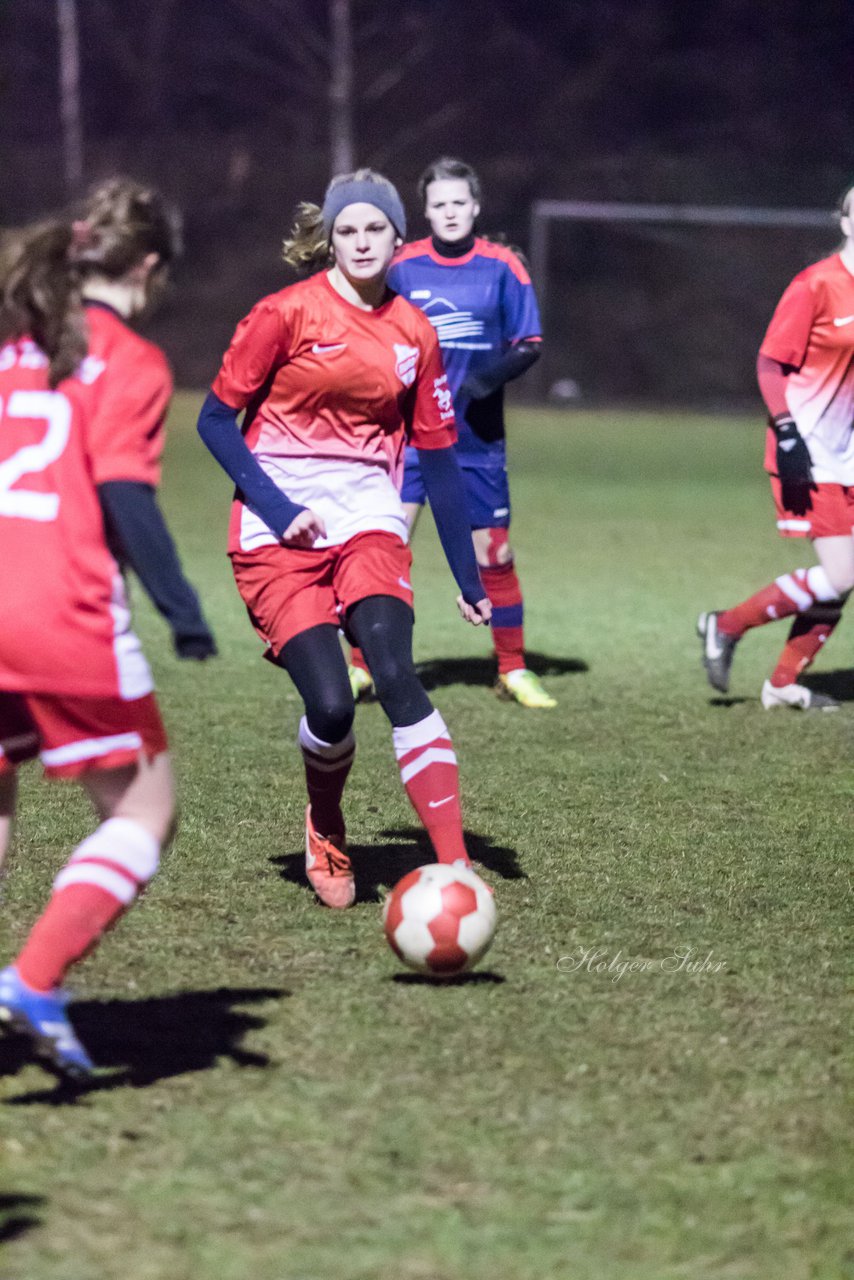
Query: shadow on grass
x: 836, y: 684
x: 150, y: 1040
x: 483, y: 978
x: 376, y: 866
x: 729, y: 702
x: 438, y: 672
x: 16, y: 1218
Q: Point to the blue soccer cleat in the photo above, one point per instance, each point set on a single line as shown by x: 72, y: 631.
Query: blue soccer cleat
x: 41, y: 1016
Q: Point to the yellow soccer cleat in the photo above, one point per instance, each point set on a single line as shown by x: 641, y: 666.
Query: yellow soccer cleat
x: 524, y: 687
x: 361, y: 682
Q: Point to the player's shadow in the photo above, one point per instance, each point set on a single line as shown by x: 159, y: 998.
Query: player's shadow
x: 729, y: 702
x: 438, y: 672
x: 837, y: 684
x: 381, y: 866
x: 482, y: 978
x: 17, y: 1216
x: 153, y: 1039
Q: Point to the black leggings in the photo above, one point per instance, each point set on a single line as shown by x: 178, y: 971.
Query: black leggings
x: 382, y: 628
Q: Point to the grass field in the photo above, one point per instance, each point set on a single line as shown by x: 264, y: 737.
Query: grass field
x: 280, y: 1102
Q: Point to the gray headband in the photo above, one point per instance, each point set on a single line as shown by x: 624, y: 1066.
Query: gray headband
x: 382, y: 197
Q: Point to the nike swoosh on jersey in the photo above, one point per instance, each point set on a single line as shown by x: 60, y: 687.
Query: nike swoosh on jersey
x: 435, y: 804
x: 319, y: 350
x: 839, y: 321
x: 407, y: 586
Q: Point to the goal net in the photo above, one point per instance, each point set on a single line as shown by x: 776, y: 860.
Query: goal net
x: 663, y: 304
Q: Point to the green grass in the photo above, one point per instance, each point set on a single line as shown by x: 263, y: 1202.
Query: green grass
x: 279, y: 1103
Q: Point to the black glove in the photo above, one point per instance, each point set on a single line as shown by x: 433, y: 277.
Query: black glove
x: 794, y: 465
x: 197, y: 647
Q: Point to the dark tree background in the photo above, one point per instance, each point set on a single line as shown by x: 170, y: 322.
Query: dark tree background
x: 225, y: 104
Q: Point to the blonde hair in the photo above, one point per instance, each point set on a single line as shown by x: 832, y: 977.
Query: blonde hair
x: 43, y: 267
x: 308, y: 247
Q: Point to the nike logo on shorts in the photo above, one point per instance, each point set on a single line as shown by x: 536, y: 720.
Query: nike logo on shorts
x: 843, y: 320
x: 435, y: 804
x: 319, y: 350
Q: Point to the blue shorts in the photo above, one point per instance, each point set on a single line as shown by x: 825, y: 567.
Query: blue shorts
x: 487, y: 492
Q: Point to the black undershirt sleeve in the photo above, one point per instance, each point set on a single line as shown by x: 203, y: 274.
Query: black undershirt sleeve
x: 504, y: 368
x: 138, y: 537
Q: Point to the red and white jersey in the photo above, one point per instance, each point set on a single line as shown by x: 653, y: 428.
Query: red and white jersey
x: 812, y: 330
x: 64, y: 619
x: 332, y: 394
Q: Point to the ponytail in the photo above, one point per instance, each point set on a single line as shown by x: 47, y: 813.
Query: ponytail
x: 40, y: 295
x: 307, y: 248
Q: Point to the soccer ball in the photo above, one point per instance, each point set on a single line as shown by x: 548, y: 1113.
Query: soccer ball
x: 440, y: 919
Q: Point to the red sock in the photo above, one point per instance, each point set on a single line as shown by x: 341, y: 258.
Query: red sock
x: 327, y: 765
x: 95, y: 887
x: 792, y: 593
x: 805, y: 640
x: 505, y: 595
x: 357, y: 659
x: 70, y: 926
x: 428, y: 770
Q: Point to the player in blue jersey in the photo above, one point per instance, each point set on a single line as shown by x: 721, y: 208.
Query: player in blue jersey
x: 480, y: 300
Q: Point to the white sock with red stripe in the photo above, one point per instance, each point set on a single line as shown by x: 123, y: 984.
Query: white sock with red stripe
x: 96, y: 886
x: 791, y: 593
x: 428, y: 770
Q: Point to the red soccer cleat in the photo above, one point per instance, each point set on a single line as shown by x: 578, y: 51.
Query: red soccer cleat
x: 328, y: 868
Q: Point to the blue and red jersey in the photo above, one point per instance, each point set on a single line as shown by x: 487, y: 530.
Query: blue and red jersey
x: 479, y: 304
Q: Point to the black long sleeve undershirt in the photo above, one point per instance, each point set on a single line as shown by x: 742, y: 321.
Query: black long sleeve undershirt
x: 138, y: 537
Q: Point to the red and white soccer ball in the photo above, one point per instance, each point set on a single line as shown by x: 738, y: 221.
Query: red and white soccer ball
x: 440, y: 919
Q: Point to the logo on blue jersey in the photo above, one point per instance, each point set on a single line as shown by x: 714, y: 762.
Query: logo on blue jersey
x: 451, y: 324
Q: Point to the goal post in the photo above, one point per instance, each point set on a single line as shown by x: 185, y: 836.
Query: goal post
x: 545, y: 214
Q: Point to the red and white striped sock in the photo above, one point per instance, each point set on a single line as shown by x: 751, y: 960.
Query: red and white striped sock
x: 95, y: 887
x: 428, y: 770
x: 327, y: 765
x: 501, y: 584
x: 792, y: 593
x: 809, y: 633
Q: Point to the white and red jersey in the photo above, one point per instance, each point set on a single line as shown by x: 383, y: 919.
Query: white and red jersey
x: 64, y: 619
x: 812, y: 330
x: 332, y: 394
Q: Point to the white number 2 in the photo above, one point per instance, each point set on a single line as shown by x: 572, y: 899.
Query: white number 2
x: 53, y: 408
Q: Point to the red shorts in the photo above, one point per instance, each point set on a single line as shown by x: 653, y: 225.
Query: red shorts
x: 287, y: 590
x: 74, y: 735
x: 828, y: 512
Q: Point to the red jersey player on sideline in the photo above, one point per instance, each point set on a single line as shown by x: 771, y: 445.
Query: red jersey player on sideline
x: 335, y: 374
x: 806, y: 376
x: 82, y: 403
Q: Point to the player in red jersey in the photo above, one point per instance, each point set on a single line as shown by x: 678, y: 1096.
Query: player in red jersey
x: 806, y: 376
x: 82, y: 403
x: 334, y: 374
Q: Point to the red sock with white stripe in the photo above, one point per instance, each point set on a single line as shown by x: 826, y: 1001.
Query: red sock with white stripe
x: 501, y: 584
x: 428, y: 770
x: 95, y: 887
x: 792, y: 593
x: 808, y: 634
x: 327, y: 765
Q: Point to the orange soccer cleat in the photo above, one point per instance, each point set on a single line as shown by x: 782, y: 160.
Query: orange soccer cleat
x: 328, y: 867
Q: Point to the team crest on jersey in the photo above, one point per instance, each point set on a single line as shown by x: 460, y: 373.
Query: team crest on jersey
x: 406, y: 362
x: 90, y: 369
